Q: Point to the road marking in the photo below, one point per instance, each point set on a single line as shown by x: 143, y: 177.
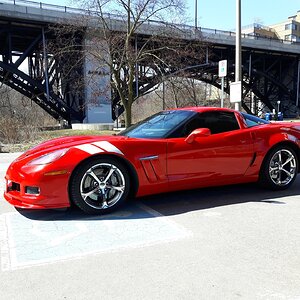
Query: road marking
x: 82, y: 228
x: 36, y: 231
x: 212, y: 214
x: 4, y: 246
x: 48, y: 237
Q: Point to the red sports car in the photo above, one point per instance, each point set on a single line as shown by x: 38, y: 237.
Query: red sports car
x: 172, y: 150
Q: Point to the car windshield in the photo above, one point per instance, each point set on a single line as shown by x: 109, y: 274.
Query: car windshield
x: 252, y: 121
x: 160, y: 125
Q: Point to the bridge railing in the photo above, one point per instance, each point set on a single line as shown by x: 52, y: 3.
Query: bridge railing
x: 245, y: 35
x: 187, y: 30
x: 43, y: 6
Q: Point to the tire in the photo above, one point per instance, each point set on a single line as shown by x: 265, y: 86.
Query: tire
x: 279, y: 168
x: 100, y: 185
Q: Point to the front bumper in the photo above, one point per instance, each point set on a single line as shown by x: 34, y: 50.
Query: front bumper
x: 53, y: 190
x: 29, y: 203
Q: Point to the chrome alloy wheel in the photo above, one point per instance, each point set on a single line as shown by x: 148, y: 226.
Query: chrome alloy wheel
x: 282, y: 167
x: 102, y: 186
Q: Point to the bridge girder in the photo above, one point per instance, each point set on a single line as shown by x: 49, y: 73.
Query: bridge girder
x: 267, y: 77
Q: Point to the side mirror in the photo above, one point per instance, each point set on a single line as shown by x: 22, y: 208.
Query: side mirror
x: 197, y: 133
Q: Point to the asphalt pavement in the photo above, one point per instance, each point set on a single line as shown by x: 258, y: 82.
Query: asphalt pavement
x: 234, y: 242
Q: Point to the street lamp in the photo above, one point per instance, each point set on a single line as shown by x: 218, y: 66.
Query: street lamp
x: 278, y: 109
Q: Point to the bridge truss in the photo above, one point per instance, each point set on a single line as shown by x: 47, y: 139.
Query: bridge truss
x: 28, y: 66
x: 268, y: 77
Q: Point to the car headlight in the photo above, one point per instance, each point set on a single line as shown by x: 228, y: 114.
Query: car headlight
x: 48, y: 158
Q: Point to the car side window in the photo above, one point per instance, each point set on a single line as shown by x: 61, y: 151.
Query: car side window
x: 193, y: 124
x: 220, y: 121
x: 252, y: 121
x: 216, y: 121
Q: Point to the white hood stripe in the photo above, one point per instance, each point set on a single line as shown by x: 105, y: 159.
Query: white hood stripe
x: 107, y: 146
x: 91, y: 149
x: 99, y: 147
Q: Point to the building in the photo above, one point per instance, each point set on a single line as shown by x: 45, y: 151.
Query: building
x: 259, y: 30
x: 288, y: 30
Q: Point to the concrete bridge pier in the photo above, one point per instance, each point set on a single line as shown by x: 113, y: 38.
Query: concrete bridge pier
x: 97, y: 87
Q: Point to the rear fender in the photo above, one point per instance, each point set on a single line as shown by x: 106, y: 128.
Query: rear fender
x: 282, y: 137
x: 261, y: 152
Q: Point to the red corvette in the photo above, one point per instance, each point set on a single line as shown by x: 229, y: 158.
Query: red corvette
x: 172, y: 150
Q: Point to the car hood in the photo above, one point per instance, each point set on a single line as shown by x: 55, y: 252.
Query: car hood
x: 68, y: 142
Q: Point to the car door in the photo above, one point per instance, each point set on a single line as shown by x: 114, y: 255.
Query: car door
x: 220, y: 157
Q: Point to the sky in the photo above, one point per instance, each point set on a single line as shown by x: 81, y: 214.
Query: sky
x: 220, y: 14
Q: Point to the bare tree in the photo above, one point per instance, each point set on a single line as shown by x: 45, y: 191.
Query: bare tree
x: 175, y: 92
x: 135, y: 45
x: 183, y: 91
x: 123, y: 55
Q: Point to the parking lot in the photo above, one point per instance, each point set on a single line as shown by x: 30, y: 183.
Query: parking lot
x: 236, y: 242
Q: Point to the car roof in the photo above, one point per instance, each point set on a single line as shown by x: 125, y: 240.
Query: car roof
x: 204, y: 109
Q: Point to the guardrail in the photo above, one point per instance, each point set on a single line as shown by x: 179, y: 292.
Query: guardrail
x: 183, y: 27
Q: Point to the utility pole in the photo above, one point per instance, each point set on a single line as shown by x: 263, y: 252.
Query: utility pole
x: 238, y: 49
x: 164, y: 93
x: 196, y: 14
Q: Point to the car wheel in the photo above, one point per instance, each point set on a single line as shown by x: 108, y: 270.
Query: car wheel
x: 279, y: 169
x: 100, y: 185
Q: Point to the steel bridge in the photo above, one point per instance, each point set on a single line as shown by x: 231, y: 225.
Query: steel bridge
x: 271, y: 68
